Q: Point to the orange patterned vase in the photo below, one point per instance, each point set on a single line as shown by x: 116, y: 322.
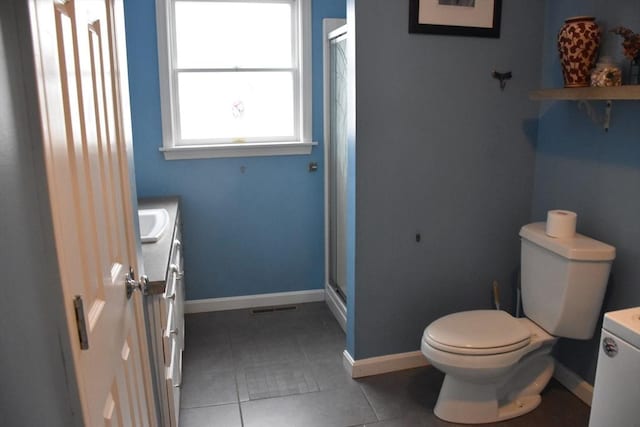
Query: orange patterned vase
x: 578, y: 43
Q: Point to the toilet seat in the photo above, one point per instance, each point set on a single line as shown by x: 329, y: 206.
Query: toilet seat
x: 477, y: 332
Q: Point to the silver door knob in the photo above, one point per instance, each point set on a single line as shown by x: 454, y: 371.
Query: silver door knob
x: 131, y: 284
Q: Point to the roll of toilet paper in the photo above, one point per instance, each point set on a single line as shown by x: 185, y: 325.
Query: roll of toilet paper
x: 561, y: 224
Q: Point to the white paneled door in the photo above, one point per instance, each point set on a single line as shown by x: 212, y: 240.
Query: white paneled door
x: 81, y: 71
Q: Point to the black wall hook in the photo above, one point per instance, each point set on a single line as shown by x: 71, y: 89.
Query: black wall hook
x: 503, y: 77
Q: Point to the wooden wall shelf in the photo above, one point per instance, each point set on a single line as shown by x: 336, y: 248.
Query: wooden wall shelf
x: 585, y: 94
x: 618, y: 93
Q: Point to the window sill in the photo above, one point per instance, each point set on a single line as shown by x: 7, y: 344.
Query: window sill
x: 237, y: 150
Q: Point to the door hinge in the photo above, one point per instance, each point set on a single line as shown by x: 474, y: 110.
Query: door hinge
x: 81, y: 323
x: 152, y: 288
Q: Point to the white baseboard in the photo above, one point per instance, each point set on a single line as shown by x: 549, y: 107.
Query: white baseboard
x: 253, y: 301
x: 347, y: 362
x: 383, y: 364
x: 574, y: 383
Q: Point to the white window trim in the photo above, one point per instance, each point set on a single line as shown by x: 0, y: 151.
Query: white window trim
x: 166, y: 57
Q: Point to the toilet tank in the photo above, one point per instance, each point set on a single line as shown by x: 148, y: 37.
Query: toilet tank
x: 563, y: 281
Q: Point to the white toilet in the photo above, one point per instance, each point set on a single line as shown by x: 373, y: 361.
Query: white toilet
x: 497, y: 365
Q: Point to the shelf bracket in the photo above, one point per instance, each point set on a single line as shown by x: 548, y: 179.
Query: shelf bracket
x: 604, y: 121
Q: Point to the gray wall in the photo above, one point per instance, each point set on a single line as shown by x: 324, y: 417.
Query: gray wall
x: 440, y: 151
x: 597, y: 174
x: 37, y: 386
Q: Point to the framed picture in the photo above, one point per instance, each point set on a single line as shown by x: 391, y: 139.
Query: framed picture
x: 476, y: 18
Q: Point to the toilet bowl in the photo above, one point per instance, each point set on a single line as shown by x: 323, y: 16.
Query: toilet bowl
x: 495, y: 365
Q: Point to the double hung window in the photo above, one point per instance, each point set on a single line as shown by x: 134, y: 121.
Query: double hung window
x: 235, y: 77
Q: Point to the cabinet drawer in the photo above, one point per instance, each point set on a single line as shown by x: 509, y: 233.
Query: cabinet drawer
x: 179, y: 309
x: 175, y: 286
x: 169, y: 333
x: 168, y: 296
x: 173, y: 303
x: 174, y: 383
x: 174, y: 370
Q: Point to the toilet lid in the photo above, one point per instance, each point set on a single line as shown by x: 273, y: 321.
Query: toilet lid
x: 477, y: 332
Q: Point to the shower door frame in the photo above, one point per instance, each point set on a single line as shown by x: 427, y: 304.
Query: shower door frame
x: 332, y: 29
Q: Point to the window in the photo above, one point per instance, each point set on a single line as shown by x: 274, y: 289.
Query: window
x: 235, y: 77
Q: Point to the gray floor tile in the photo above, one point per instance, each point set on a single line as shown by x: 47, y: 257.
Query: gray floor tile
x: 237, y: 356
x: 210, y: 355
x: 241, y: 383
x: 208, y: 388
x: 322, y: 345
x: 394, y: 395
x: 559, y: 408
x: 409, y: 420
x: 277, y: 379
x: 407, y: 398
x: 265, y: 320
x: 331, y: 374
x: 211, y: 416
x: 204, y: 325
x: 319, y: 352
x: 335, y: 408
x: 265, y: 348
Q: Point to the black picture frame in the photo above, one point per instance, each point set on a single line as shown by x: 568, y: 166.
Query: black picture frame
x: 443, y: 27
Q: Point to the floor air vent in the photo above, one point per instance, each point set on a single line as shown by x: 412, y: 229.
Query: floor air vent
x: 273, y: 309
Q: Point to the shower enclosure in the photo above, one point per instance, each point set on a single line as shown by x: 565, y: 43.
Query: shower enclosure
x: 336, y: 164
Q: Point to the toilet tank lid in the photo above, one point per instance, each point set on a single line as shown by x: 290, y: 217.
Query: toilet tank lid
x: 579, y: 247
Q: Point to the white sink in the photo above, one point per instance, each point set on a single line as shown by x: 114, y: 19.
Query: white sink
x: 153, y: 222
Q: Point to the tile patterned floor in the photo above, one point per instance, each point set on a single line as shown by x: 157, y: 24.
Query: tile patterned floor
x: 283, y: 369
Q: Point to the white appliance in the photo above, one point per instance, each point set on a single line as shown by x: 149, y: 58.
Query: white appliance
x: 616, y: 395
x: 497, y: 365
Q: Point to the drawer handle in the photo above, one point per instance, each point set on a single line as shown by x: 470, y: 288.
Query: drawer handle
x: 177, y: 244
x: 179, y: 385
x: 176, y: 270
x: 172, y: 296
x: 174, y: 331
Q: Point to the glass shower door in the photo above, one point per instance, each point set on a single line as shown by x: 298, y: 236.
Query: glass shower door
x: 338, y: 165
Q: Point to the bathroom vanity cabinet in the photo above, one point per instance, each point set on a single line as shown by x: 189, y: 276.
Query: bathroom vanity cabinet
x: 165, y: 312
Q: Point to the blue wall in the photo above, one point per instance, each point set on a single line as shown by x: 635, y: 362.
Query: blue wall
x: 597, y: 174
x: 251, y: 225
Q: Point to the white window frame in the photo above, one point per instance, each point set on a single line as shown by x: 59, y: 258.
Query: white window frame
x: 169, y: 102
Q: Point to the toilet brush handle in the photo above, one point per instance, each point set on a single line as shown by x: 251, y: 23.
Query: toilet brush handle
x: 496, y: 295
